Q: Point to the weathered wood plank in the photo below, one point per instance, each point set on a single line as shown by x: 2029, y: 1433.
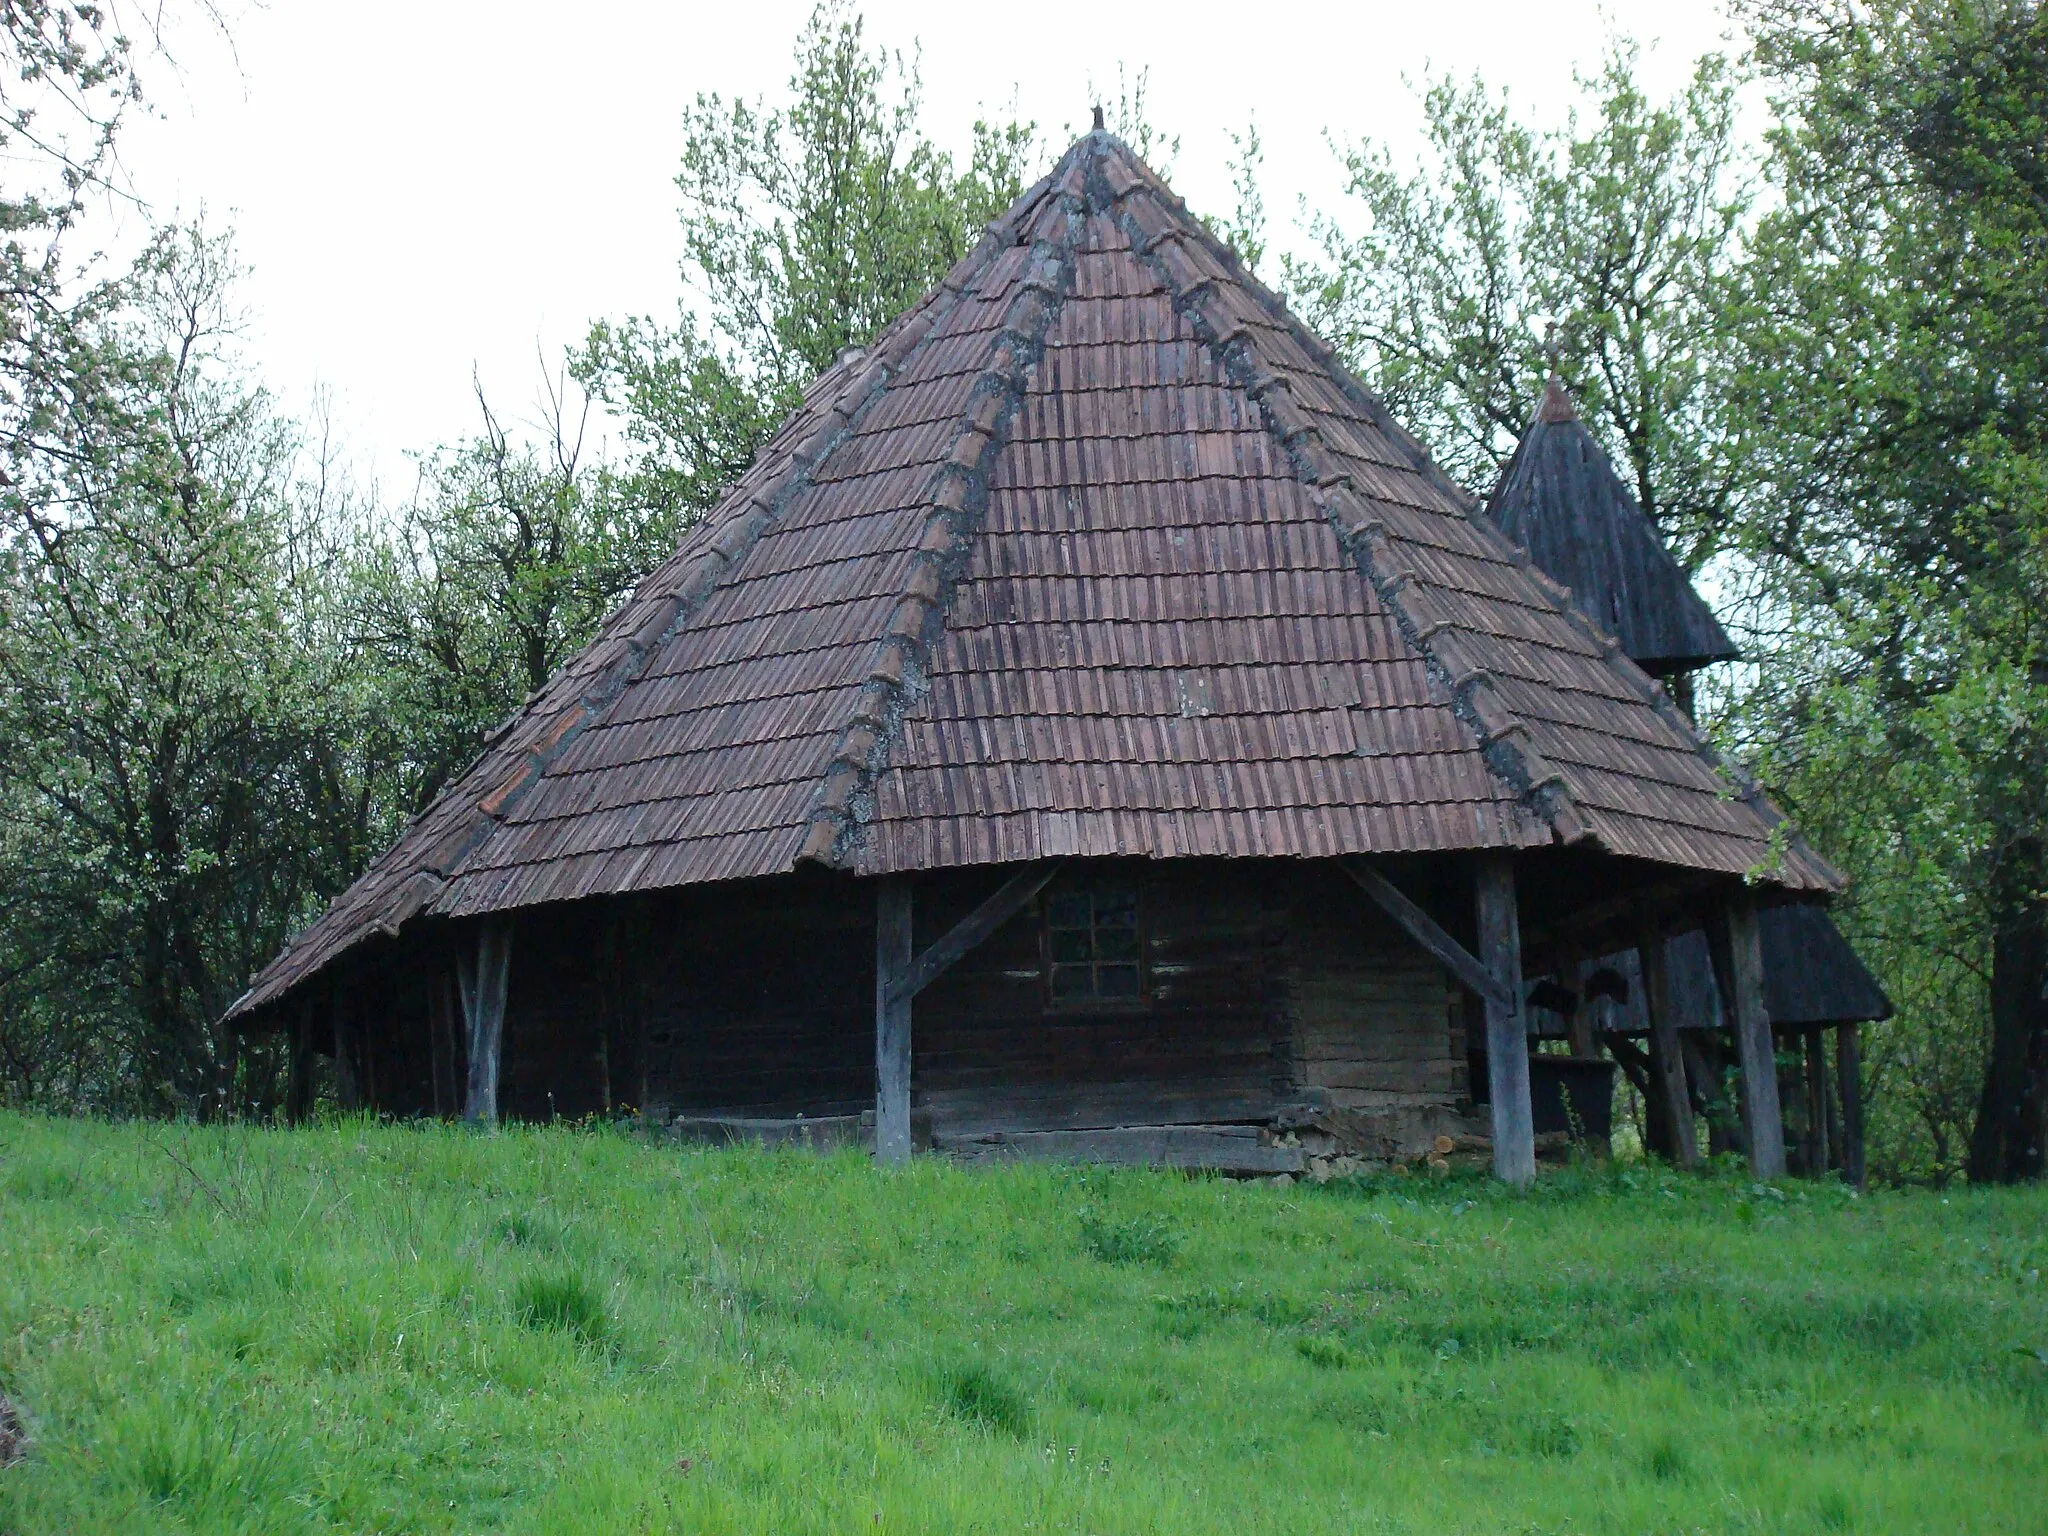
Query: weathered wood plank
x: 1102, y: 1105
x: 1507, y: 1033
x: 1423, y: 929
x: 1226, y: 1149
x: 1753, y: 1044
x: 893, y: 943
x: 1667, y: 1062
x: 974, y: 929
x: 484, y: 973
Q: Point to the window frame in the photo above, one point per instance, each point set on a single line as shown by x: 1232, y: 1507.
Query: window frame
x: 1093, y: 1001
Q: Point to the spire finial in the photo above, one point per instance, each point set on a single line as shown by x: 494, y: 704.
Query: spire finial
x: 1556, y: 405
x: 1098, y: 117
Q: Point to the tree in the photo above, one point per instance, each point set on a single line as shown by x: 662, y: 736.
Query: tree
x: 1611, y: 240
x: 806, y: 228
x: 495, y: 573
x: 166, y: 710
x: 1894, y: 405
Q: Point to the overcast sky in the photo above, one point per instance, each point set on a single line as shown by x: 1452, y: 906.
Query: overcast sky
x: 428, y: 187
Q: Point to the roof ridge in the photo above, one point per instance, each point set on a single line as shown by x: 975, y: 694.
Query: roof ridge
x: 518, y: 753
x: 956, y: 501
x: 1503, y: 735
x: 1504, y: 738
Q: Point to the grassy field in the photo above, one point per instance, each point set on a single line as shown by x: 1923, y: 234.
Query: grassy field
x: 370, y: 1328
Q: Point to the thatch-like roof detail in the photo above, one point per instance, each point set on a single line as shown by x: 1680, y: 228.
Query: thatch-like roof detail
x: 1095, y: 551
x: 1560, y: 499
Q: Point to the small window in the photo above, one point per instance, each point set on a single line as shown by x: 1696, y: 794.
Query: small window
x: 1093, y: 953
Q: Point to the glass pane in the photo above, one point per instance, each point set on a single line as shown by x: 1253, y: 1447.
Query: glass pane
x: 1116, y: 980
x: 1068, y: 909
x: 1070, y: 983
x: 1070, y: 944
x: 1116, y: 944
x: 1116, y: 909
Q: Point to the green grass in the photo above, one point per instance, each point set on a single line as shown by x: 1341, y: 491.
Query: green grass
x: 369, y: 1328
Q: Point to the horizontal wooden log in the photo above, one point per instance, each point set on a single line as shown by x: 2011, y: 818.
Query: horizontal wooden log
x: 1099, y: 1106
x: 1225, y: 1149
x: 1423, y: 929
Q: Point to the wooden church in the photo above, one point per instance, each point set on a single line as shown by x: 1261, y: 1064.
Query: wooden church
x: 1091, y: 728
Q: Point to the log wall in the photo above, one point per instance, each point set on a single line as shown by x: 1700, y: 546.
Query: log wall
x: 1268, y: 986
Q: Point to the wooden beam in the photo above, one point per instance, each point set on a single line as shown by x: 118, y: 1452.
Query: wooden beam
x: 1753, y: 1044
x: 893, y: 946
x: 1849, y: 1076
x: 973, y: 930
x: 483, y: 971
x: 1667, y: 1061
x: 1571, y: 971
x: 1422, y: 928
x: 1507, y: 1031
x: 298, y: 1093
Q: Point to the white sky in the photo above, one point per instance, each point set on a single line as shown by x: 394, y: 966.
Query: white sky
x: 423, y: 187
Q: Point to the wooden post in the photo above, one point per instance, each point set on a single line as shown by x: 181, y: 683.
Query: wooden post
x: 1849, y: 1076
x: 893, y: 956
x: 1507, y: 1030
x: 1814, y: 1145
x: 1667, y: 1062
x: 1571, y: 975
x: 347, y: 1084
x: 1753, y: 1045
x: 298, y: 1093
x: 483, y: 970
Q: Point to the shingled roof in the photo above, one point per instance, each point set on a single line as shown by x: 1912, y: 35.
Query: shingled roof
x: 1095, y: 551
x: 1560, y: 499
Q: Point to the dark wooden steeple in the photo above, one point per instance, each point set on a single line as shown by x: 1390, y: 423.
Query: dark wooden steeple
x: 1560, y: 499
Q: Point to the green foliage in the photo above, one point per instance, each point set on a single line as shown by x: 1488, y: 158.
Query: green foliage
x: 1611, y: 237
x: 806, y: 228
x: 1894, y: 325
x: 220, y: 1328
x: 181, y: 753
x: 496, y: 572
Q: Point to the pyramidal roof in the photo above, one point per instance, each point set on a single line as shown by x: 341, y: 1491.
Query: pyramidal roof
x: 1096, y: 550
x: 1560, y: 499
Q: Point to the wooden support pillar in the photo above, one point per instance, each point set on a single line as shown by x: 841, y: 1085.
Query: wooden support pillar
x: 1507, y: 1030
x: 482, y: 971
x: 1813, y: 1146
x: 893, y: 958
x: 1849, y: 1077
x: 1667, y: 1061
x: 348, y: 1089
x: 298, y: 1092
x: 1571, y: 975
x: 1744, y: 1002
